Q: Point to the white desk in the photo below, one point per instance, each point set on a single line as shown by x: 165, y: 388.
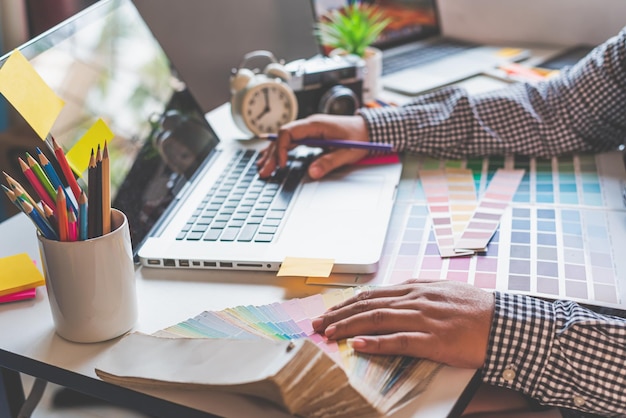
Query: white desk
x: 165, y: 297
x: 30, y: 345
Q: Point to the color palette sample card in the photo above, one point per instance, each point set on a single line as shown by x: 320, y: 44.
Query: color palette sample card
x: 391, y: 377
x: 561, y: 236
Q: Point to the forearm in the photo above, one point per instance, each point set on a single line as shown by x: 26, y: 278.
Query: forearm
x: 558, y: 353
x: 581, y: 110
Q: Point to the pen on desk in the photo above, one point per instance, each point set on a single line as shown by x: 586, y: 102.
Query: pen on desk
x: 335, y: 143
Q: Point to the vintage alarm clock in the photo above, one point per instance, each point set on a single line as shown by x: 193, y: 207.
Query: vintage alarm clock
x: 261, y: 102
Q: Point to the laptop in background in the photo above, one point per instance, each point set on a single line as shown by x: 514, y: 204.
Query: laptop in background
x: 177, y: 182
x: 416, y: 57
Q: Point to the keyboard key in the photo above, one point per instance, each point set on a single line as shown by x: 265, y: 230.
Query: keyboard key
x: 247, y: 233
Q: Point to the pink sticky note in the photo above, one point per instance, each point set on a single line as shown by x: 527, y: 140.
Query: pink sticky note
x: 379, y: 159
x: 21, y: 295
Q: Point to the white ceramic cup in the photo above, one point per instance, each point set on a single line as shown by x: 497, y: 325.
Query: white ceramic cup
x: 91, y: 284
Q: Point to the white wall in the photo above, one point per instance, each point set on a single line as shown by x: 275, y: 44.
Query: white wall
x: 205, y: 39
x: 13, y: 24
x: 555, y: 22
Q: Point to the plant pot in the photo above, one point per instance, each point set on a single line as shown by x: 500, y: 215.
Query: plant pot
x: 373, y: 72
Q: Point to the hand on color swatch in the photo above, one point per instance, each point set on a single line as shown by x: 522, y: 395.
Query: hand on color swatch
x: 444, y: 321
x: 316, y: 126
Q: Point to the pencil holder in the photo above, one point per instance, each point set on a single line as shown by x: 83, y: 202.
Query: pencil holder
x: 91, y: 284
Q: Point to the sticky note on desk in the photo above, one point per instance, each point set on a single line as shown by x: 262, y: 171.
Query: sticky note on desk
x: 18, y: 273
x: 29, y: 94
x: 305, y: 267
x: 21, y: 295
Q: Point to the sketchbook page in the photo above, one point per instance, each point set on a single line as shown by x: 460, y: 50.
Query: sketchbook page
x: 197, y: 360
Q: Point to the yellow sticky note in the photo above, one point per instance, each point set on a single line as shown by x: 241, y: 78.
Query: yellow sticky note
x: 508, y: 52
x: 305, y: 267
x: 17, y: 273
x: 78, y: 156
x: 29, y: 94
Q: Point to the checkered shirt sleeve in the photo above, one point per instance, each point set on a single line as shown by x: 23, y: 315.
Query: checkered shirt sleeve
x: 582, y: 109
x: 559, y: 353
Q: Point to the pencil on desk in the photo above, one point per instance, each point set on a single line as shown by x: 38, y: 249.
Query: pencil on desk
x: 66, y: 169
x: 35, y: 183
x: 61, y: 213
x: 106, y: 191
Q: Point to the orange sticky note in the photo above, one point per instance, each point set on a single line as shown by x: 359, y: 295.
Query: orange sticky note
x: 29, y: 94
x: 305, y: 267
x: 18, y: 273
x: 78, y: 156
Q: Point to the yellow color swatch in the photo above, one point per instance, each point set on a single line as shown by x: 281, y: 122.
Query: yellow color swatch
x: 305, y: 267
x: 78, y: 156
x: 29, y: 94
x: 17, y: 273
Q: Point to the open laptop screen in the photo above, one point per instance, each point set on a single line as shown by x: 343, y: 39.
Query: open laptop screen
x: 411, y: 20
x: 105, y: 63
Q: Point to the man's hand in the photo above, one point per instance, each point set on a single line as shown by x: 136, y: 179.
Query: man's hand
x: 316, y: 126
x: 448, y: 322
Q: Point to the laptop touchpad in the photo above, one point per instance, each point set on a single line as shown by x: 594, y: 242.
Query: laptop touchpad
x: 354, y: 192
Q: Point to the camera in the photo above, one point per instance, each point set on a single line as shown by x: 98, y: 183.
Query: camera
x: 331, y: 85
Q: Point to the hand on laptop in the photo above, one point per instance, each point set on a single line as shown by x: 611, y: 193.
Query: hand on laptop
x: 316, y: 126
x: 444, y: 321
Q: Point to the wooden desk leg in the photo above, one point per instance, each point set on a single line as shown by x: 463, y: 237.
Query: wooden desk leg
x: 11, y: 393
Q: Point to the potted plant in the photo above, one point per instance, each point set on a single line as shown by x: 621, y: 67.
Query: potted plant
x: 352, y: 30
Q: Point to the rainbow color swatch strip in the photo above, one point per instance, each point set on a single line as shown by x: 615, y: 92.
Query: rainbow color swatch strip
x: 560, y: 236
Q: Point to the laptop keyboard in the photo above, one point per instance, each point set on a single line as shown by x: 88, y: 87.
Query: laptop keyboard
x: 421, y: 56
x: 242, y: 207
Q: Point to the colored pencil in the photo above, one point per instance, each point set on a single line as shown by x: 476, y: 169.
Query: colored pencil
x: 39, y: 222
x: 49, y: 216
x: 55, y: 179
x: 61, y: 213
x: 19, y: 191
x: 41, y: 176
x: 72, y: 224
x: 334, y: 143
x: 34, y: 181
x: 106, y: 191
x: 98, y: 200
x: 91, y: 191
x: 66, y: 169
x: 11, y: 195
x: 82, y: 216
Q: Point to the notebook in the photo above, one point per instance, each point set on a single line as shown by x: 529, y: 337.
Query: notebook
x: 190, y: 196
x: 416, y: 57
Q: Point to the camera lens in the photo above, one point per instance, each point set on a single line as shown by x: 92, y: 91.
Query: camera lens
x: 339, y: 100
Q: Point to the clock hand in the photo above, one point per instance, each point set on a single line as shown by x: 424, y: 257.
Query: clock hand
x: 266, y: 109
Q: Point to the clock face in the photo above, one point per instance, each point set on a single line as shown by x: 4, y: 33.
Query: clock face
x: 268, y: 106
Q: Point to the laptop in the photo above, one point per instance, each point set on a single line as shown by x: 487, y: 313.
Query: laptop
x: 416, y: 57
x: 193, y: 199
